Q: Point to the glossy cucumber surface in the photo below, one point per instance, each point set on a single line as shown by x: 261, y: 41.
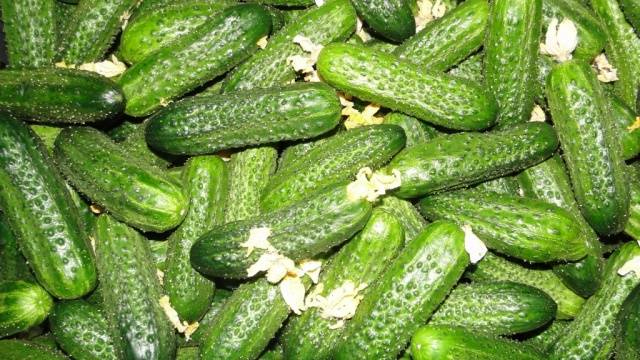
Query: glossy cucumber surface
x: 391, y: 19
x: 22, y: 306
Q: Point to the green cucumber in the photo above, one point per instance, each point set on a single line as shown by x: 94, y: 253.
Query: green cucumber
x: 285, y: 3
x: 544, y: 340
x: 415, y: 130
x: 209, y: 51
x: 30, y: 32
x: 471, y: 68
x: 62, y: 13
x: 590, y: 145
x: 628, y: 320
x: 159, y: 251
x: 443, y: 342
x: 629, y: 136
x: 24, y: 350
x: 131, y: 299
x: 132, y: 191
x: 13, y: 266
x: 208, y: 320
x: 631, y: 9
x: 496, y: 308
x: 409, y: 291
x: 380, y: 45
x: 292, y: 152
x: 82, y: 331
x: 402, y: 86
x: 47, y: 134
x: 412, y: 222
x: 335, y: 160
x: 273, y: 354
x: 595, y: 324
x: 41, y: 214
x: 545, y: 64
x: 632, y: 228
x: 506, y: 185
x: 187, y: 353
x: 333, y: 21
x: 446, y: 41
x: 511, y: 50
x: 207, y: 124
x: 299, y: 231
x: 452, y: 161
x: 361, y: 261
x: 136, y: 144
x: 205, y: 181
x: 23, y: 305
x: 59, y: 95
x: 392, y: 19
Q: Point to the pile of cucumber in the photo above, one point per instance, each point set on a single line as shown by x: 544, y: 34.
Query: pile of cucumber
x: 328, y: 179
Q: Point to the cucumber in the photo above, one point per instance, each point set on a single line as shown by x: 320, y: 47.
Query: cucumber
x: 157, y: 27
x: 496, y: 308
x: 415, y: 130
x: 92, y: 28
x: 205, y: 181
x: 452, y: 161
x: 443, y: 342
x: 41, y: 214
x: 136, y: 144
x: 511, y: 51
x: 402, y: 86
x: 333, y: 21
x: 24, y: 350
x: 590, y: 146
x: 446, y: 41
x: 30, y: 32
x: 82, y: 331
x: 59, y: 95
x: 378, y: 44
x: 159, y: 253
x: 632, y: 228
x: 506, y: 185
x: 361, y: 261
x: 208, y: 124
x: 335, y: 160
x: 141, y: 329
x: 594, y: 326
x: 273, y: 354
x: 13, y: 266
x: 292, y: 152
x: 62, y: 13
x: 209, y: 51
x: 285, y: 3
x: 134, y: 192
x: 631, y: 9
x: 409, y: 291
x: 47, y: 134
x: 412, y: 222
x: 471, y: 68
x: 23, y: 305
x: 208, y: 320
x: 627, y: 342
x: 187, y: 353
x: 299, y: 231
x: 392, y: 19
x: 544, y: 340
x: 624, y: 118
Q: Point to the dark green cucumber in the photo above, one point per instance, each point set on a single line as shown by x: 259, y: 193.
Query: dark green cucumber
x: 132, y: 191
x: 471, y: 68
x: 299, y: 231
x: 511, y: 50
x: 24, y: 350
x: 446, y: 41
x: 457, y: 160
x: 392, y: 19
x: 415, y: 130
x: 443, y: 342
x: 496, y: 308
x: 136, y: 144
x: 131, y: 298
x: 412, y: 222
x: 335, y: 160
x: 208, y: 320
x: 415, y: 283
x: 506, y: 185
x: 595, y: 324
x: 41, y: 214
x: 629, y: 136
x: 82, y: 331
x: 333, y: 21
x: 361, y: 261
x: 628, y: 321
x: 208, y: 124
x: 59, y: 95
x: 30, y: 32
x: 632, y: 228
x: 13, y: 265
x: 23, y: 305
x: 209, y: 51
x: 590, y: 145
x: 631, y: 9
x: 402, y: 86
x: 151, y: 30
x: 292, y: 152
x: 205, y: 182
x: 544, y: 340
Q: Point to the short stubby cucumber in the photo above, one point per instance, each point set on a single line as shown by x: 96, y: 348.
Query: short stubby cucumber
x: 627, y: 343
x: 22, y: 306
x: 206, y: 124
x: 25, y: 350
x: 402, y: 86
x: 392, y: 19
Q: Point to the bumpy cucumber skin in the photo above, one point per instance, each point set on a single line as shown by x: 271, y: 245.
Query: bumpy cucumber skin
x: 402, y: 86
x: 445, y: 42
x: 471, y: 68
x: 415, y: 283
x: 300, y: 231
x: 24, y: 350
x: 415, y: 130
x: 632, y: 228
x: 210, y: 123
x: 443, y: 342
x: 391, y: 19
x: 285, y: 3
x: 627, y: 323
x: 132, y: 191
x: 151, y: 30
x: 361, y: 261
x: 14, y: 266
x: 495, y: 268
x: 82, y: 331
x: 544, y: 340
x: 22, y: 306
x: 59, y: 95
x: 590, y: 145
x: 136, y: 144
x: 41, y: 214
x: 335, y: 160
x: 333, y: 21
x: 205, y: 180
x: 30, y: 32
x: 209, y: 51
x: 595, y: 324
x: 131, y: 299
x: 208, y: 320
x: 506, y: 185
x: 511, y: 50
x: 624, y: 118
x: 631, y: 9
x: 457, y: 160
x: 412, y: 222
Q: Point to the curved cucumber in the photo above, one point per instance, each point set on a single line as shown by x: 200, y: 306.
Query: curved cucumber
x: 22, y: 306
x: 392, y: 19
x: 628, y: 320
x: 24, y: 350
